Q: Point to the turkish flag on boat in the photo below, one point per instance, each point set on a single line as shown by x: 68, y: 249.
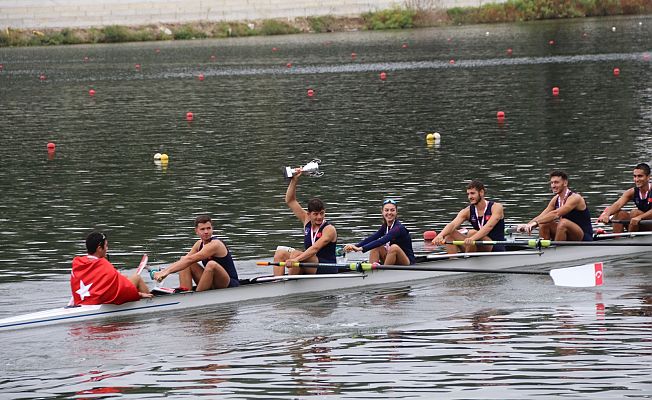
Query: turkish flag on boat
x: 96, y: 281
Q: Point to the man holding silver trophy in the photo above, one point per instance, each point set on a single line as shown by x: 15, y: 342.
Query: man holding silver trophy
x: 319, y: 236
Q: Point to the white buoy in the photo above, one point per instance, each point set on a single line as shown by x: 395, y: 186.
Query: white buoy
x: 157, y: 156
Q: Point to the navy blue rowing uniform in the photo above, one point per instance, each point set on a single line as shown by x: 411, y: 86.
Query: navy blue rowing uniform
x: 396, y: 234
x: 643, y: 203
x: 580, y: 218
x: 498, y: 231
x: 327, y: 253
x: 226, y: 262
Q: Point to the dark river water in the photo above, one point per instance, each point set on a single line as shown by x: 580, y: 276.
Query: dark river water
x: 470, y: 337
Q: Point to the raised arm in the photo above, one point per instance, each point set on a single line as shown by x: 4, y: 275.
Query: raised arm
x: 291, y: 199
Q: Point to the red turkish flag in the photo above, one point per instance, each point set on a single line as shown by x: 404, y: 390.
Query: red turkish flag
x: 96, y: 281
x: 598, y: 274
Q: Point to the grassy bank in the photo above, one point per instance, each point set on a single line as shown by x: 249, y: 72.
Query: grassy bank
x: 413, y: 15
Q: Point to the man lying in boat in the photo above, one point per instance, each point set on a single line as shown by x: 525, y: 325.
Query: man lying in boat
x: 391, y: 244
x: 208, y: 263
x: 486, y: 217
x: 319, y: 237
x: 94, y: 280
x: 567, y: 215
x: 642, y: 197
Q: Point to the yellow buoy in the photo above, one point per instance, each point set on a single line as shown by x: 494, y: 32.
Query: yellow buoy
x: 164, y: 158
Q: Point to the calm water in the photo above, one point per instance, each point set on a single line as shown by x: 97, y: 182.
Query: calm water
x: 466, y: 337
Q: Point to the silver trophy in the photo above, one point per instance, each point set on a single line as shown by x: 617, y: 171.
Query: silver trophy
x: 310, y: 169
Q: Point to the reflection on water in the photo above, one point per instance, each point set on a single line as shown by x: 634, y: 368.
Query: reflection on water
x: 460, y: 337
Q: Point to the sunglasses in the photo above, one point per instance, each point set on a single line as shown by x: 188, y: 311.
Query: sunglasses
x: 389, y: 201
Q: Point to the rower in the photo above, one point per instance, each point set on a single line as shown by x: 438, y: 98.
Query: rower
x: 567, y: 215
x: 391, y: 244
x: 208, y: 263
x: 486, y: 217
x: 319, y: 237
x: 642, y: 197
x: 94, y: 280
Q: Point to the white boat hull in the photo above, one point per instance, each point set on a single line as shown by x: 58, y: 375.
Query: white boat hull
x: 558, y: 255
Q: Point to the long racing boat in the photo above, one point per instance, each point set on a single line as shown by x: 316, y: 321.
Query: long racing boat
x: 269, y: 287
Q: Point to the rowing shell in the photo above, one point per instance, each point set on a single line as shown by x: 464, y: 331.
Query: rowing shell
x: 267, y: 287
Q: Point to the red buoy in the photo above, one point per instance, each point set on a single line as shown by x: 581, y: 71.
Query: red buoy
x: 289, y: 65
x: 213, y: 58
x: 86, y: 59
x: 189, y: 116
x: 42, y: 77
x: 383, y: 76
x: 500, y: 115
x: 2, y: 67
x: 311, y: 92
x: 451, y: 62
x: 616, y: 71
x: 91, y: 92
x: 404, y: 46
x: 551, y: 42
x: 555, y: 91
x: 274, y: 49
x: 353, y: 55
x: 51, y: 146
x: 646, y: 57
x: 509, y: 51
x: 429, y: 235
x: 201, y: 77
x: 137, y: 67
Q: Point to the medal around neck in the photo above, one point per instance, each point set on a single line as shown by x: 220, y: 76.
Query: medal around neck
x: 310, y: 169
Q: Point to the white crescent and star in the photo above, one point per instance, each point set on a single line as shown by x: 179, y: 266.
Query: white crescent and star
x: 84, y: 290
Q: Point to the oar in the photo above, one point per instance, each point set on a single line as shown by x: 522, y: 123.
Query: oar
x: 626, y: 221
x: 536, y: 243
x: 586, y: 275
x: 602, y: 236
x: 483, y: 254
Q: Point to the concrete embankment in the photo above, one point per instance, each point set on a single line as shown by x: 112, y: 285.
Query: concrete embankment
x: 42, y: 14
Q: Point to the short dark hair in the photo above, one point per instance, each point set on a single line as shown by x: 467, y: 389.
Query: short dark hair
x: 94, y: 240
x: 316, y: 205
x: 559, y: 173
x: 202, y: 219
x: 644, y: 167
x: 475, y: 184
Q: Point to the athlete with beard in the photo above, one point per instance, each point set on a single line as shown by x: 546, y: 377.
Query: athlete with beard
x: 486, y: 217
x: 567, y: 216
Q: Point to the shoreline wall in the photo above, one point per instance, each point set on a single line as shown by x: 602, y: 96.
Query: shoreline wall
x: 43, y: 14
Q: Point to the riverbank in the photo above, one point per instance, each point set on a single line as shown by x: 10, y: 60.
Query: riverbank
x: 414, y: 15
